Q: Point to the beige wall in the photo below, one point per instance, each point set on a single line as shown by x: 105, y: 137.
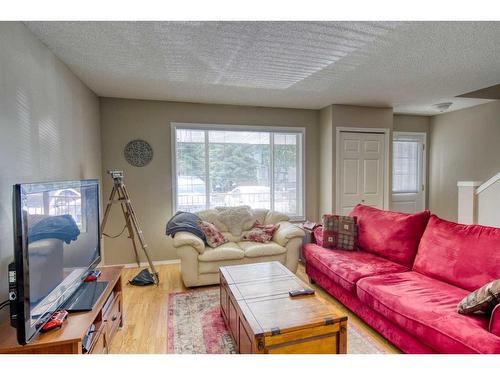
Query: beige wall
x: 151, y: 186
x: 49, y: 125
x: 420, y: 124
x: 465, y: 146
x: 326, y: 199
x: 335, y: 116
x: 362, y: 117
x: 411, y: 123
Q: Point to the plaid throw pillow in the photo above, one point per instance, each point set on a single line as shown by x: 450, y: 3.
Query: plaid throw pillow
x: 340, y: 232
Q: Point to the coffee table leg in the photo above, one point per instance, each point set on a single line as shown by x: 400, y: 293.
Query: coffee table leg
x: 343, y: 338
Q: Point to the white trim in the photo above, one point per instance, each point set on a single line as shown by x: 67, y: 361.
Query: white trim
x: 146, y: 264
x: 173, y: 175
x: 423, y: 181
x: 208, y: 184
x: 488, y: 183
x: 469, y: 183
x: 229, y: 127
x: 256, y: 128
x: 386, y: 132
x: 271, y: 171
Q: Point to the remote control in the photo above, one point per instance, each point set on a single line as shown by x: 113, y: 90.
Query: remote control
x: 56, y: 321
x: 92, y: 276
x: 301, y: 292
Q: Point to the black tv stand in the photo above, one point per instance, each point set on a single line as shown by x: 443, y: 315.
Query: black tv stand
x: 85, y: 297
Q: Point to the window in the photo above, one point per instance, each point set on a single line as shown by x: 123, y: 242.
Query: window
x: 407, y: 164
x: 217, y: 167
x: 59, y: 202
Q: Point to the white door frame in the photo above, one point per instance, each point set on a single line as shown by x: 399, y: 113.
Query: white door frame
x: 424, y: 160
x: 386, y: 179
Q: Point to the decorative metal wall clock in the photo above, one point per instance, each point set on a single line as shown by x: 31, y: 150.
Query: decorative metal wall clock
x: 138, y: 153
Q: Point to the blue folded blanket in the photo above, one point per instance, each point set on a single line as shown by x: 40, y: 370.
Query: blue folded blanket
x: 184, y: 222
x: 62, y: 227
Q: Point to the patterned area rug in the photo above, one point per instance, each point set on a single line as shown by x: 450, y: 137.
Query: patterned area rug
x: 196, y: 327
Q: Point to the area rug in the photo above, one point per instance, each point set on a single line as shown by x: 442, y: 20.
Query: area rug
x: 195, y: 326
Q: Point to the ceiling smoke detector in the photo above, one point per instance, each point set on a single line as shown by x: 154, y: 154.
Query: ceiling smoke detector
x: 441, y: 107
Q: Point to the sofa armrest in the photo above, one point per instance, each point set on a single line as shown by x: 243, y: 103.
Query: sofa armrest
x: 495, y: 321
x: 189, y: 239
x: 286, y: 232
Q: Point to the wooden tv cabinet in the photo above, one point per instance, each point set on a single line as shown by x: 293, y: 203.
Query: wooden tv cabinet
x: 68, y: 339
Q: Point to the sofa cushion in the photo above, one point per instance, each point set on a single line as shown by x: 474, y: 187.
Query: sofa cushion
x: 391, y: 235
x: 227, y: 251
x: 258, y: 249
x: 347, y: 267
x: 427, y: 308
x: 274, y: 217
x: 212, y: 216
x: 236, y: 219
x: 463, y: 255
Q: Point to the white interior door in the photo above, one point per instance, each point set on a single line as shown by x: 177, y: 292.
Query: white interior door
x: 361, y: 170
x: 408, y: 172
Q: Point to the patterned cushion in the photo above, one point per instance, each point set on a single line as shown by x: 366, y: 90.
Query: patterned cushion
x: 260, y: 233
x: 482, y: 300
x: 213, y: 235
x: 317, y: 235
x: 340, y: 232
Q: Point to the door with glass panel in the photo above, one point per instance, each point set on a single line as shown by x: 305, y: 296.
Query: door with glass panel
x: 408, y: 172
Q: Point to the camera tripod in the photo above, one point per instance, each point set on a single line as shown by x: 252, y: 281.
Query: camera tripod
x: 132, y: 225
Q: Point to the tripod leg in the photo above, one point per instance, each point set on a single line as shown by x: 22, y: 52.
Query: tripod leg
x: 108, y: 209
x: 137, y: 228
x: 128, y: 223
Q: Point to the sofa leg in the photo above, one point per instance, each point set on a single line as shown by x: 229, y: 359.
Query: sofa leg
x: 311, y: 281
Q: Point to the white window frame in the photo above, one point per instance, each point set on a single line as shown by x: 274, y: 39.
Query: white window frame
x: 256, y: 128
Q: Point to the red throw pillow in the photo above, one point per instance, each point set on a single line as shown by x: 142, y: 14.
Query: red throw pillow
x: 213, y: 236
x: 467, y: 256
x: 339, y: 232
x: 260, y: 233
x: 317, y: 235
x: 392, y: 235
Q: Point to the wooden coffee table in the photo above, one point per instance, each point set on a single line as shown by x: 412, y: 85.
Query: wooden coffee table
x: 263, y: 318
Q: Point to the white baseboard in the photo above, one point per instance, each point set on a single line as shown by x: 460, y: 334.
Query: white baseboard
x: 145, y: 264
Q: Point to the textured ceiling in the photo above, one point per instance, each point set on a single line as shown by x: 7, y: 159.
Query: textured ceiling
x: 407, y: 65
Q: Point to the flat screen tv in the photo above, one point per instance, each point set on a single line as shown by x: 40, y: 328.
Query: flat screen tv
x: 56, y: 244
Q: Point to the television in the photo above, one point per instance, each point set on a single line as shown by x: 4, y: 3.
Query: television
x: 56, y: 245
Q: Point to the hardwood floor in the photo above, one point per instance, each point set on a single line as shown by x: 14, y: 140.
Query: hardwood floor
x: 146, y: 312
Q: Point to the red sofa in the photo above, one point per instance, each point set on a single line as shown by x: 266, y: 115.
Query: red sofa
x: 409, y: 275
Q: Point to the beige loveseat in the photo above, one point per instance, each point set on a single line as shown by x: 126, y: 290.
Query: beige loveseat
x: 200, y: 263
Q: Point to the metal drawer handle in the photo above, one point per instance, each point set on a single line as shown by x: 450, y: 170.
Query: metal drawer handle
x: 114, y: 318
